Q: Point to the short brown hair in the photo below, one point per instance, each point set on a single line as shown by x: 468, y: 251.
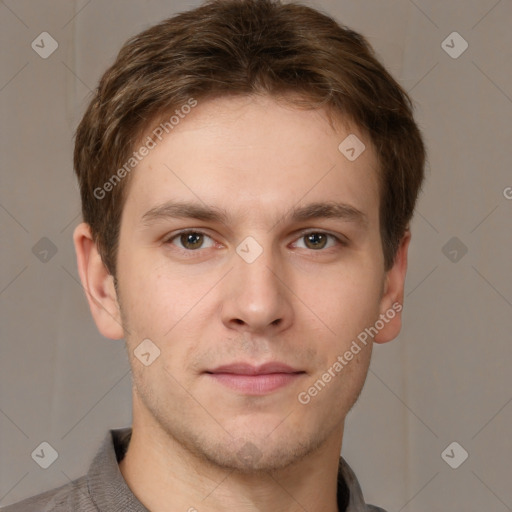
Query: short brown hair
x: 244, y: 47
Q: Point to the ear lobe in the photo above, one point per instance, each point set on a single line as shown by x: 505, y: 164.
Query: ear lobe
x: 391, y: 303
x: 98, y: 284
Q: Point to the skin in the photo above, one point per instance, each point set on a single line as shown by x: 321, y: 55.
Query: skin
x: 300, y: 302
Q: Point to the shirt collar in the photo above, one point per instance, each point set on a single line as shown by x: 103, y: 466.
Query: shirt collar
x: 107, y: 487
x: 110, y: 492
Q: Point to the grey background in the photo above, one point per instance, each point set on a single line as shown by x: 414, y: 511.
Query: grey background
x: 446, y: 378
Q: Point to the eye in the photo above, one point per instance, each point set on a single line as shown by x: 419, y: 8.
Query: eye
x: 193, y: 240
x: 317, y: 240
x: 190, y: 240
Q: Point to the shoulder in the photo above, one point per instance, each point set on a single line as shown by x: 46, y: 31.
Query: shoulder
x: 71, y: 496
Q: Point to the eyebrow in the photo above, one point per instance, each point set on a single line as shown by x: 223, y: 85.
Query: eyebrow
x: 316, y: 210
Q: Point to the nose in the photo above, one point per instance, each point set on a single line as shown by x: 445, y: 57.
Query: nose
x: 257, y: 295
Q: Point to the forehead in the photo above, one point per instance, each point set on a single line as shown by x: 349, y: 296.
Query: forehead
x: 255, y: 156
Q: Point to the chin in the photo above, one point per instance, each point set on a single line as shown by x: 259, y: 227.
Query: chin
x: 248, y: 453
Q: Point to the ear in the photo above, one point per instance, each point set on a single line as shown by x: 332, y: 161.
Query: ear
x: 98, y: 284
x: 391, y: 303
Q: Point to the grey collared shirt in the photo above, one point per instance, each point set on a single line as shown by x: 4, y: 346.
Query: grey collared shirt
x: 103, y: 488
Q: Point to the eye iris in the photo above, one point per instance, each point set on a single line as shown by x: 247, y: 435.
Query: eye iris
x: 194, y: 240
x: 315, y: 237
x: 191, y: 240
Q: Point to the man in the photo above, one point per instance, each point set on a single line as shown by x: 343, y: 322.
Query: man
x: 248, y: 172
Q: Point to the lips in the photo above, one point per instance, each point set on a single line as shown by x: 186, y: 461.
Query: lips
x: 248, y: 369
x: 255, y: 380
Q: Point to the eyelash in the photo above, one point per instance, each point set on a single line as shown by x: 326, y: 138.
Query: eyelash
x: 190, y: 252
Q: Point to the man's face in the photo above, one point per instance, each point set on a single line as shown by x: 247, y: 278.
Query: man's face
x: 258, y: 287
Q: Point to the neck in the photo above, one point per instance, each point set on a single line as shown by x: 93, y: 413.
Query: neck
x: 162, y: 473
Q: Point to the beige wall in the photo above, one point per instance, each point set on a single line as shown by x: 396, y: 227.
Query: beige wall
x: 446, y: 378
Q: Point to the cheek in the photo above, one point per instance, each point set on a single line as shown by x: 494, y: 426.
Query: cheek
x: 348, y: 303
x: 147, y: 304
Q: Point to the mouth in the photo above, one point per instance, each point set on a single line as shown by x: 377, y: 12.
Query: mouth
x: 255, y: 380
